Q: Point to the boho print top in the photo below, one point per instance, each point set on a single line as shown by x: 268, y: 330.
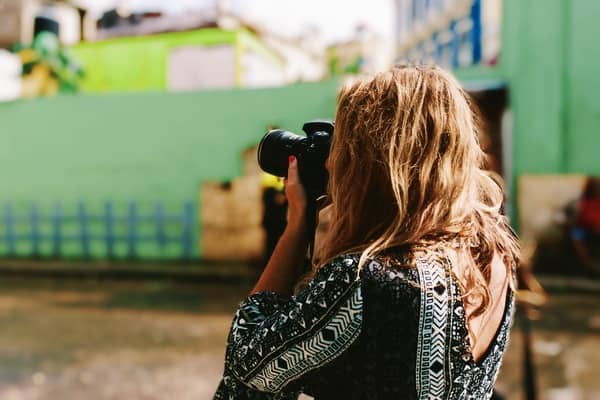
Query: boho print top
x: 384, y: 333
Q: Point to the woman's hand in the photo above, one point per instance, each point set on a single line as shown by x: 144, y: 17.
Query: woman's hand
x: 296, y: 196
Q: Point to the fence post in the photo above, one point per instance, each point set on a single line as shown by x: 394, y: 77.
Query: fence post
x: 83, y: 229
x: 186, y: 234
x: 131, y: 229
x: 56, y: 230
x: 476, y: 33
x: 9, y: 222
x: 109, y: 233
x: 455, y: 45
x: 34, y: 220
x: 159, y: 216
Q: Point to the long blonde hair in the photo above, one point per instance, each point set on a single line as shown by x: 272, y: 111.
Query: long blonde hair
x: 406, y: 169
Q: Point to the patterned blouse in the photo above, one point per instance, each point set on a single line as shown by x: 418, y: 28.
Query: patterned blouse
x: 383, y: 333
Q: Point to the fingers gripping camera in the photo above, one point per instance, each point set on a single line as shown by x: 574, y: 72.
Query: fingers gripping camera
x: 311, y: 151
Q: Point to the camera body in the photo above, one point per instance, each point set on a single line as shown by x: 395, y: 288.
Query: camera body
x: 311, y: 151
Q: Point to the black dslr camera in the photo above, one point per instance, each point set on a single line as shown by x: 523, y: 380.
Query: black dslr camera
x: 311, y: 151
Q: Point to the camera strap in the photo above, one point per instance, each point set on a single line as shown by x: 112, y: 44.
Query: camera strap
x: 311, y: 223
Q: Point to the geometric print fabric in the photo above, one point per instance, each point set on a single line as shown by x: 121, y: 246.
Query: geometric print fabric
x: 277, y: 346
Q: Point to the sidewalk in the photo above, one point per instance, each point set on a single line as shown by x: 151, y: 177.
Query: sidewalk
x: 73, y: 339
x: 199, y: 271
x: 556, y: 284
x: 207, y: 271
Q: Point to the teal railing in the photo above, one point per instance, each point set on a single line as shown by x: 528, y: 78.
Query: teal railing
x: 112, y: 231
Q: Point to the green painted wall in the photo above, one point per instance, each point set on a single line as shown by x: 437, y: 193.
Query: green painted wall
x: 550, y: 61
x: 582, y: 79
x: 535, y: 77
x: 141, y: 147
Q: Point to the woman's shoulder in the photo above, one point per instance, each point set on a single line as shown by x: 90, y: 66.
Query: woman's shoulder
x: 398, y: 264
x: 405, y: 264
x: 397, y: 259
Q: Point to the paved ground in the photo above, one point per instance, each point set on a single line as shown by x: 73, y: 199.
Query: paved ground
x: 82, y: 339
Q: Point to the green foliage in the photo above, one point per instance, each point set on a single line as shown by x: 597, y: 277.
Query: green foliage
x: 48, y: 67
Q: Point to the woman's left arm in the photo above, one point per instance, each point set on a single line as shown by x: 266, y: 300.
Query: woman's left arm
x: 286, y: 264
x: 276, y: 338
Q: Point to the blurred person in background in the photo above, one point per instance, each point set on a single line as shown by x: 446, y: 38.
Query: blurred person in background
x: 274, y: 212
x: 585, y: 231
x: 412, y: 291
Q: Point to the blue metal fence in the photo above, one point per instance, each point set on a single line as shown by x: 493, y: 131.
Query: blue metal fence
x: 108, y: 232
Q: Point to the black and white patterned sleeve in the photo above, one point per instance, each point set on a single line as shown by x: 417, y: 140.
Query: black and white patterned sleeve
x: 275, y: 341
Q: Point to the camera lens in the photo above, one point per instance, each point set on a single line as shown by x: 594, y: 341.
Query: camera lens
x: 275, y: 148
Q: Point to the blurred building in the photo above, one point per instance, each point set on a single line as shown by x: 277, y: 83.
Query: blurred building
x: 10, y: 76
x: 123, y: 175
x: 122, y: 22
x: 450, y: 33
x: 365, y: 52
x: 20, y: 19
x: 207, y: 58
x: 207, y: 48
x: 531, y: 66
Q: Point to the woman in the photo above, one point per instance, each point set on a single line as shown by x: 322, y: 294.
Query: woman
x: 585, y: 233
x: 413, y: 294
